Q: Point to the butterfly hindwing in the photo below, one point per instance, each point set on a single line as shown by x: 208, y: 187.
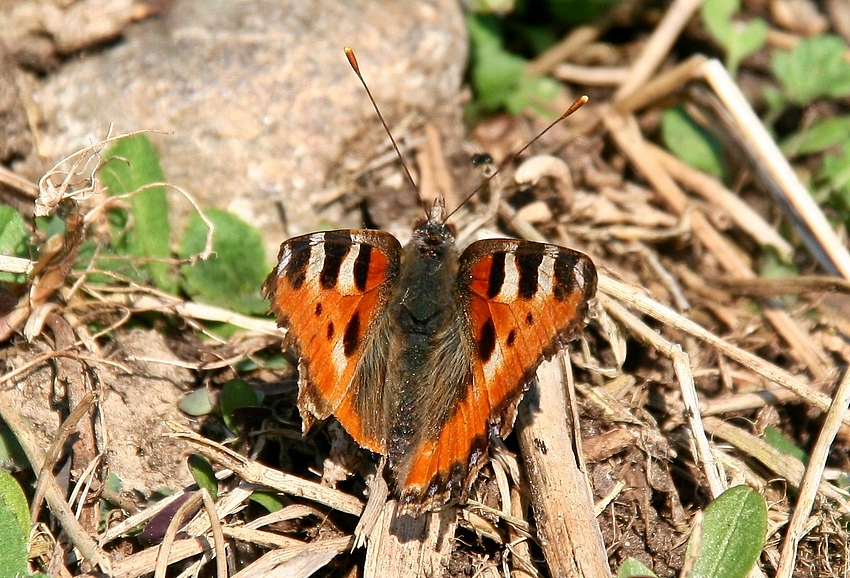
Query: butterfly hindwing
x: 524, y: 301
x: 329, y: 290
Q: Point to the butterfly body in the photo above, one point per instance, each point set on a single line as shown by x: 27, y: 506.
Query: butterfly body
x: 421, y: 352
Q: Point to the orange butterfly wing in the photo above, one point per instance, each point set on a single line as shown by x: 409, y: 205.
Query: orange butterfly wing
x: 522, y: 302
x: 328, y: 291
x: 528, y: 300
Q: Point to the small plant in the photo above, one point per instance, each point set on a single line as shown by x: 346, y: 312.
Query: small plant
x: 14, y: 528
x: 140, y: 246
x: 230, y: 278
x: 732, y: 537
x: 13, y: 240
x: 691, y: 143
x: 739, y: 39
x: 143, y: 231
x: 498, y: 76
x: 814, y: 69
x: 729, y: 543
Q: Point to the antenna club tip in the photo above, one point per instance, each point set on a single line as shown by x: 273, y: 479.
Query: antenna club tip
x: 580, y: 101
x: 352, y: 60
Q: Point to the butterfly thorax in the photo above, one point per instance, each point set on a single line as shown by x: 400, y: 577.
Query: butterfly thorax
x: 428, y: 351
x: 424, y: 301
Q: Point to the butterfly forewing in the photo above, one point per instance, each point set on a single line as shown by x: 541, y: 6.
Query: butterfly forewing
x: 328, y: 291
x: 524, y: 302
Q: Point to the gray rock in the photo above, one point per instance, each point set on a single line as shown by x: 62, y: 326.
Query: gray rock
x: 258, y: 96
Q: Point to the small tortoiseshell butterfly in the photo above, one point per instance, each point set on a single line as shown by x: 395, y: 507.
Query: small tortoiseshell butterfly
x: 418, y: 351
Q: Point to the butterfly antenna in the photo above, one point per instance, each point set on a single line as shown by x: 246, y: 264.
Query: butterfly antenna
x: 352, y: 60
x: 580, y: 101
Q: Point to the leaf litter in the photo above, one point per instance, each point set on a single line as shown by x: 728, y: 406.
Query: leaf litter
x: 690, y: 356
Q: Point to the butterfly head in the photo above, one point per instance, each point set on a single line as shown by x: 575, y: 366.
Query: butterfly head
x: 433, y: 237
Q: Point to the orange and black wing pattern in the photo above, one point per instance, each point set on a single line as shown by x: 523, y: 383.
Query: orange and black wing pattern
x: 520, y: 303
x: 328, y: 291
x: 525, y: 302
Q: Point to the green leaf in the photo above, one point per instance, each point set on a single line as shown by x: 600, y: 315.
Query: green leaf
x: 236, y: 393
x: 14, y: 527
x: 233, y: 276
x: 494, y: 6
x: 204, y: 474
x: 12, y: 497
x: 774, y: 99
x: 774, y: 266
x: 533, y: 93
x: 632, y: 568
x: 197, y: 403
x: 836, y: 170
x: 113, y: 482
x: 133, y: 164
x: 780, y: 442
x: 271, y: 502
x: 14, y: 240
x: 733, y: 533
x: 818, y: 137
x: 11, y: 453
x: 494, y: 72
x: 50, y: 225
x: 691, y: 143
x: 740, y: 39
x: 498, y: 76
x: 815, y: 68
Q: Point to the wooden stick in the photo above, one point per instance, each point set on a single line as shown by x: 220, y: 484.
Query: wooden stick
x: 812, y: 479
x: 560, y: 491
x: 772, y: 162
x: 404, y: 545
x: 659, y: 44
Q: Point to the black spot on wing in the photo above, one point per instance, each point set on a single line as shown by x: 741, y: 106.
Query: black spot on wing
x: 487, y: 341
x: 318, y: 310
x: 529, y: 318
x: 497, y: 275
x: 361, y: 266
x: 511, y: 338
x: 296, y: 269
x: 331, y: 330
x: 337, y: 245
x: 351, y: 337
x: 528, y: 263
x: 565, y: 280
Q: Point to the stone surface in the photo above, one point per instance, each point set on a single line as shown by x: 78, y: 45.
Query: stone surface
x: 38, y: 32
x: 258, y: 98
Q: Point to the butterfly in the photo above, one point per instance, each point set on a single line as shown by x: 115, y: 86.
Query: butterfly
x: 422, y: 352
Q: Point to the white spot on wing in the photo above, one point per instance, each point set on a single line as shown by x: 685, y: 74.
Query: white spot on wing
x: 493, y: 364
x: 546, y: 275
x: 285, y: 258
x: 510, y: 287
x: 338, y: 359
x: 578, y: 273
x: 317, y: 258
x: 345, y: 281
